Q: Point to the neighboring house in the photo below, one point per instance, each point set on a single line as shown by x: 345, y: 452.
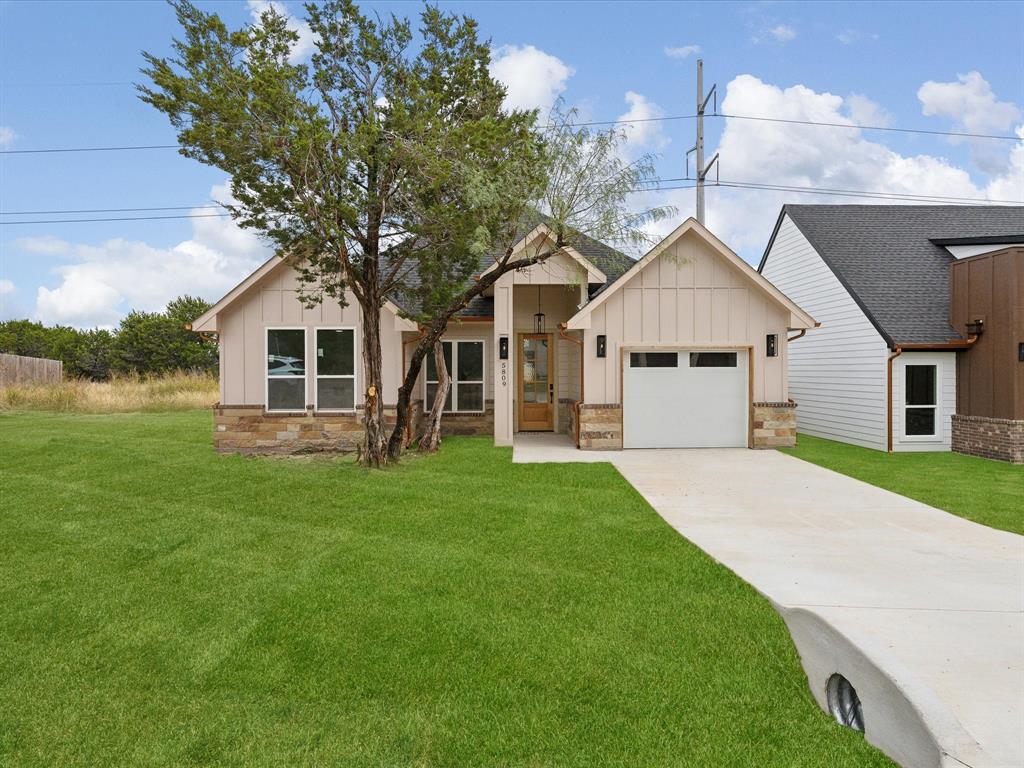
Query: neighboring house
x: 897, y: 365
x: 686, y: 347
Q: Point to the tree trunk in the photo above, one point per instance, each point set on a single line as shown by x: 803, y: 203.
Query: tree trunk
x: 432, y: 435
x: 374, y: 453
x: 414, y: 366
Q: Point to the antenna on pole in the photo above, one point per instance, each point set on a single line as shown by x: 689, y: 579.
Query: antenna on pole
x: 702, y: 170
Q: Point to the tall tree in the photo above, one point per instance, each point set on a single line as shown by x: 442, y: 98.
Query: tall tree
x: 585, y: 189
x: 361, y: 167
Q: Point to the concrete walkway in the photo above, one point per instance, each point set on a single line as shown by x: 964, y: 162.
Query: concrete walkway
x: 921, y: 611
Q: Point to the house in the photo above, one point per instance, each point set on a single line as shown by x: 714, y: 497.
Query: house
x: 686, y: 347
x: 922, y: 313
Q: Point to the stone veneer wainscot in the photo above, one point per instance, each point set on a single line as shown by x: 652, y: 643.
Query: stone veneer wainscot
x: 774, y: 425
x: 1001, y: 439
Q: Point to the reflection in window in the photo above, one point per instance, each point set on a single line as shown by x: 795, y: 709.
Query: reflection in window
x: 286, y: 369
x: 465, y: 363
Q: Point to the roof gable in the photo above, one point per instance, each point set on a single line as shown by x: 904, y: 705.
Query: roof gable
x: 889, y: 260
x: 798, y: 318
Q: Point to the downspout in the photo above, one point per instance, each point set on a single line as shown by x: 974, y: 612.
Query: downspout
x: 888, y: 398
x: 578, y: 403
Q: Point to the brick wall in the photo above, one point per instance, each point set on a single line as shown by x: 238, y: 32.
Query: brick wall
x: 469, y: 423
x: 600, y: 426
x: 250, y: 429
x: 774, y: 425
x: 1001, y: 439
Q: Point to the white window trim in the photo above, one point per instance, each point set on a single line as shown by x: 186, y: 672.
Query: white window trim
x: 451, y: 374
x: 355, y: 369
x: 267, y: 376
x: 936, y: 436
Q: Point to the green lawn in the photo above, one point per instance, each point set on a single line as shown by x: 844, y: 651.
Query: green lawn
x: 161, y: 605
x: 987, y: 492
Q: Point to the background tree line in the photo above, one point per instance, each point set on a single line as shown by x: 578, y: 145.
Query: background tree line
x: 144, y: 343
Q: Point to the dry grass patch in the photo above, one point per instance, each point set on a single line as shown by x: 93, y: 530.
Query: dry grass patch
x: 124, y: 394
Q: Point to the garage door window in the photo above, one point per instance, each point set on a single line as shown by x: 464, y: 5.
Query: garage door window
x: 712, y: 359
x: 921, y: 400
x: 653, y: 360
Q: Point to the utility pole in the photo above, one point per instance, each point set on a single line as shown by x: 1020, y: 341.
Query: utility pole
x: 702, y: 170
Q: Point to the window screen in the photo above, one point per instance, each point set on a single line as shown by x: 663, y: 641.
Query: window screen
x: 712, y: 359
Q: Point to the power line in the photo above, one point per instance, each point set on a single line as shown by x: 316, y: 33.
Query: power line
x: 110, y: 210
x: 118, y: 218
x: 787, y: 121
x: 962, y: 134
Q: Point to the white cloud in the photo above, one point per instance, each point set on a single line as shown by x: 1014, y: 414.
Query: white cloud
x: 304, y: 45
x: 782, y: 32
x: 102, y: 282
x: 864, y: 111
x: 850, y: 36
x: 534, y: 79
x: 681, y: 52
x: 972, y: 107
x: 816, y: 156
x: 6, y: 286
x: 647, y: 135
x: 7, y: 135
x: 44, y: 246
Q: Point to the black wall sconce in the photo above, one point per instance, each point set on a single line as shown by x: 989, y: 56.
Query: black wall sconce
x: 771, y: 348
x: 975, y: 327
x: 1020, y: 351
x: 602, y: 345
x: 503, y: 348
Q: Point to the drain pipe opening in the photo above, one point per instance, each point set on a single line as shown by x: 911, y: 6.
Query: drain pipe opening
x: 844, y: 704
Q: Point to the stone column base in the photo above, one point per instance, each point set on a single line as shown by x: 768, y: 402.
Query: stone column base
x: 1000, y: 439
x: 600, y: 427
x: 774, y: 425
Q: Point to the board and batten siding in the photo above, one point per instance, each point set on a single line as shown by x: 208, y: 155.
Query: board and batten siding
x: 274, y: 303
x: 945, y: 369
x: 687, y: 297
x: 837, y: 373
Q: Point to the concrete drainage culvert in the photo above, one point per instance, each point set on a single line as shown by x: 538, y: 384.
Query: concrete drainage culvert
x: 844, y: 704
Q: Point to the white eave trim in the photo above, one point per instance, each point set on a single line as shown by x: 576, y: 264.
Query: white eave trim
x: 798, y: 318
x: 594, y: 275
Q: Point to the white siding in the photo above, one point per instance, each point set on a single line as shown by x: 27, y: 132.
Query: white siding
x: 945, y: 363
x: 837, y: 373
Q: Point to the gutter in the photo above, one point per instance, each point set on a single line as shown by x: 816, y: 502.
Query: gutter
x: 899, y: 350
x: 578, y: 403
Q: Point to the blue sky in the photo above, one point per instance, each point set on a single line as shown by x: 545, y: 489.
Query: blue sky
x: 66, y: 70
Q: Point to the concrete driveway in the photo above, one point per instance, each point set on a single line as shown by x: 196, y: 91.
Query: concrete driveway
x: 921, y: 611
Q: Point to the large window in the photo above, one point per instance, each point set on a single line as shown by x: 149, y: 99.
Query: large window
x: 335, y: 369
x: 286, y: 369
x: 465, y: 363
x: 921, y: 400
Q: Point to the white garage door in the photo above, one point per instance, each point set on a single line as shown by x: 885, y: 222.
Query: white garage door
x: 685, y: 399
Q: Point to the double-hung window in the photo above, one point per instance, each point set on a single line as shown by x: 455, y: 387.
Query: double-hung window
x: 286, y: 369
x: 465, y: 363
x: 921, y: 400
x: 335, y: 369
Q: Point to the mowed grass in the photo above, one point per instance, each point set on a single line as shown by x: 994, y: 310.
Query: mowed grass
x: 985, y: 491
x: 162, y: 605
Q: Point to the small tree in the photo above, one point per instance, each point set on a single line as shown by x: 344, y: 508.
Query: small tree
x: 586, y: 188
x: 159, y: 342
x: 371, y: 149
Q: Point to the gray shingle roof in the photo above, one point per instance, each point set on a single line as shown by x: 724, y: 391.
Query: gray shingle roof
x: 886, y: 258
x: 610, y: 261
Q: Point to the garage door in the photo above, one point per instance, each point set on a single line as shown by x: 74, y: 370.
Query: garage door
x: 685, y: 399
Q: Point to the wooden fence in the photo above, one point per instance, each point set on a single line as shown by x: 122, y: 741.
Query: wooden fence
x: 15, y: 369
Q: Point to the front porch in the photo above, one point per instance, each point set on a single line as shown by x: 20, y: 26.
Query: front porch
x: 554, y: 448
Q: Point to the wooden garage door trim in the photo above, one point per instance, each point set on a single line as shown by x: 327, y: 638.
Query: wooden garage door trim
x: 624, y: 349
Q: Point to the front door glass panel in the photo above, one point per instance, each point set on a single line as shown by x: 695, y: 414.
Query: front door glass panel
x: 535, y: 370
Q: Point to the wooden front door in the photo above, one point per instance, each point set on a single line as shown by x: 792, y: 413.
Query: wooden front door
x: 536, y: 383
